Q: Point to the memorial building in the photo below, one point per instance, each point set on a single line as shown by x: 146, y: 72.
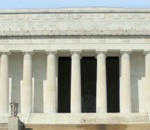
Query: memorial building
x: 76, y: 68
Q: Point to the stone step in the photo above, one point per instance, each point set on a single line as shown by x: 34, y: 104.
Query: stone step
x: 89, y: 127
x: 3, y: 126
x: 82, y: 127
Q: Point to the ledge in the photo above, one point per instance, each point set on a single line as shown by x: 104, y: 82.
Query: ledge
x: 79, y: 119
x: 77, y: 10
x: 90, y: 127
x: 105, y: 32
x: 75, y: 21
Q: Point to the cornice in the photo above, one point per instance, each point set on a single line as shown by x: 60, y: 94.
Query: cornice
x: 74, y: 39
x: 107, y: 16
x: 75, y: 23
x: 76, y: 10
x: 68, y: 32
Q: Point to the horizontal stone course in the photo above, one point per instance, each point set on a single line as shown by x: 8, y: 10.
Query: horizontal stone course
x: 89, y: 127
x: 75, y: 21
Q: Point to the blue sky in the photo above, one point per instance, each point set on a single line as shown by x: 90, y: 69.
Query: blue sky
x: 14, y: 4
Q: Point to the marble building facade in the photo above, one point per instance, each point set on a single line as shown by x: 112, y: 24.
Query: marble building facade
x: 32, y: 41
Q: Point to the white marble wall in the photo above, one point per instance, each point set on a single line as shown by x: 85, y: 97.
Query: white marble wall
x: 15, y: 72
x: 137, y: 73
x: 38, y: 72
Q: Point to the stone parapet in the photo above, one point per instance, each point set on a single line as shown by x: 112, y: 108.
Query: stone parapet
x: 75, y: 21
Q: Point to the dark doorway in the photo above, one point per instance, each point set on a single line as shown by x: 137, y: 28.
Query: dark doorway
x: 88, y: 83
x: 64, y: 74
x: 112, y: 71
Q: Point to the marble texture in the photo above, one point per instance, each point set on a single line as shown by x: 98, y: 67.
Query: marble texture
x: 101, y: 88
x: 76, y: 33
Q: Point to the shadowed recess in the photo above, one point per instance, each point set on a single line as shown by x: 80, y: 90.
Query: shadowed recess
x: 112, y: 72
x: 64, y: 81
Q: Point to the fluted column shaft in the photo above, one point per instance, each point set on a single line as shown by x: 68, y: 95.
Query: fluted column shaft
x: 4, y: 96
x: 125, y: 88
x: 101, y: 94
x: 147, y: 77
x: 75, y: 83
x: 50, y: 103
x: 26, y: 97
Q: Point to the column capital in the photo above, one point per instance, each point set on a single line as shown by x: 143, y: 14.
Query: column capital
x: 146, y: 51
x: 28, y: 52
x: 51, y: 52
x: 101, y: 52
x: 75, y: 52
x: 125, y: 51
x: 104, y: 52
x: 5, y: 52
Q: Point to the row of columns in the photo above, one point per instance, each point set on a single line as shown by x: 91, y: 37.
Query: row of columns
x: 101, y: 94
x: 50, y: 99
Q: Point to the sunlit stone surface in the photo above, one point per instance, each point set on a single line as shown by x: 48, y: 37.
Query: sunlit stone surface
x: 31, y: 42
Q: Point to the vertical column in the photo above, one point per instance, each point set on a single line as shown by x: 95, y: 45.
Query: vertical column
x: 56, y: 80
x: 125, y: 89
x: 101, y: 93
x: 26, y: 89
x: 4, y: 83
x: 147, y: 79
x: 75, y: 83
x: 50, y: 92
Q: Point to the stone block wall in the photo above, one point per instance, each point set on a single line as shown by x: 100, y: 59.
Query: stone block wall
x: 89, y: 127
x: 83, y: 127
x: 3, y: 126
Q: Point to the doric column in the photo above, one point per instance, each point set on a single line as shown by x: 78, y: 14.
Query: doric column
x: 101, y: 93
x: 75, y: 83
x: 125, y: 88
x: 147, y: 79
x: 26, y: 90
x: 4, y: 83
x: 50, y: 90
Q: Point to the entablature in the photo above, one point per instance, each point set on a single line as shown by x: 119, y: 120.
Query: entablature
x: 87, y: 22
